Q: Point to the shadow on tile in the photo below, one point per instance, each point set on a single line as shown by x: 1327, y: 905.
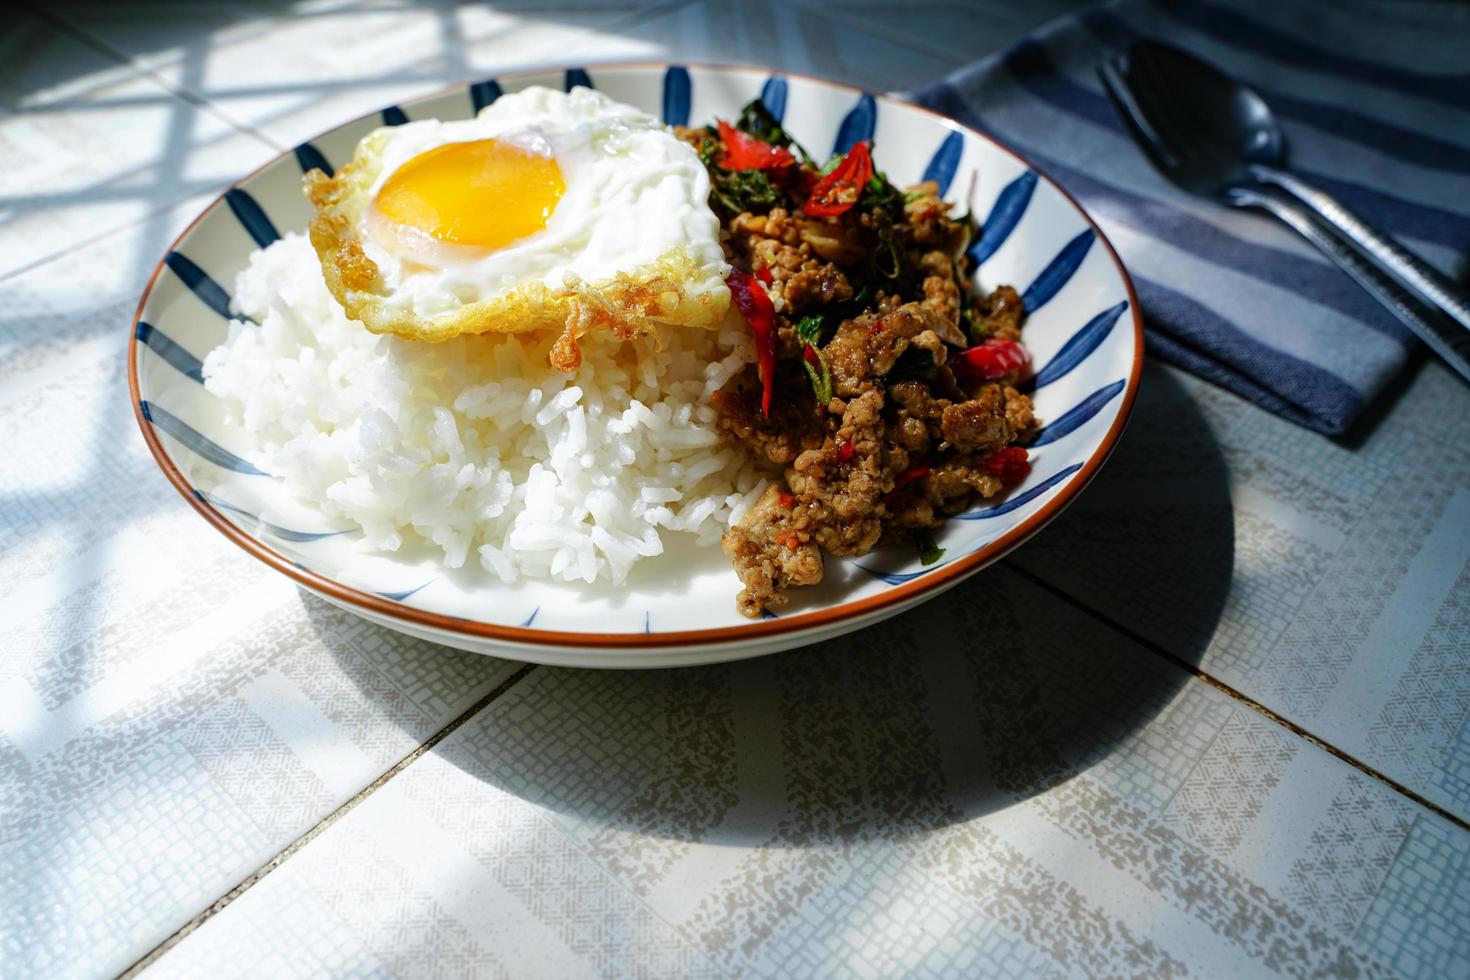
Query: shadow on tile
x: 1151, y: 545
x: 989, y: 694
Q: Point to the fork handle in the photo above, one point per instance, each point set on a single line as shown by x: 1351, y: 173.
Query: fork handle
x: 1415, y: 273
x: 1443, y: 337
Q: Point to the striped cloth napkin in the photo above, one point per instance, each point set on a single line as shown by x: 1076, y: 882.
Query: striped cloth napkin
x: 1374, y: 100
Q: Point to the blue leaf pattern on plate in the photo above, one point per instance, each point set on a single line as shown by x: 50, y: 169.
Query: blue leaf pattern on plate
x: 484, y: 93
x: 575, y: 77
x: 394, y: 116
x: 1005, y: 214
x: 898, y: 578
x: 400, y: 596
x: 310, y: 158
x: 1057, y: 272
x: 676, y: 96
x: 1020, y: 499
x: 252, y: 217
x: 945, y: 161
x: 1079, y: 414
x: 255, y: 520
x: 858, y: 125
x: 185, y: 363
x: 200, y: 445
x: 1077, y: 347
x: 773, y: 97
x: 199, y: 282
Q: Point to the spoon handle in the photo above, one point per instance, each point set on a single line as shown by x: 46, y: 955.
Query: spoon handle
x: 1417, y: 274
x: 1443, y: 337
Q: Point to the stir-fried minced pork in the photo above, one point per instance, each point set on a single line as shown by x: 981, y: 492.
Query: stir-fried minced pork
x: 893, y: 398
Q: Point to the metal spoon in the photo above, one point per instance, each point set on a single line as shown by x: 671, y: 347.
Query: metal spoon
x: 1212, y: 136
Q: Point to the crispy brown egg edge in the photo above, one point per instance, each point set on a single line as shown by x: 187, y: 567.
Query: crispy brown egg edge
x: 625, y: 305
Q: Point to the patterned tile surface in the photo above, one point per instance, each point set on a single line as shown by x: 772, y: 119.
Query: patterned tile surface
x: 1327, y: 581
x: 1001, y: 783
x: 172, y: 713
x: 90, y: 145
x: 994, y: 785
x: 343, y: 60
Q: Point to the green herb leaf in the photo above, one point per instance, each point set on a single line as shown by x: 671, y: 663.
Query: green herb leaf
x: 810, y: 329
x: 757, y: 120
x: 886, y: 258
x: 929, y: 552
x: 880, y: 193
x: 821, y: 383
x: 971, y: 224
x: 912, y: 363
x: 743, y: 190
x: 974, y: 323
x: 817, y: 328
x: 708, y: 147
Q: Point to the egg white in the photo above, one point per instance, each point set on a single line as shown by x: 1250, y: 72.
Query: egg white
x: 635, y: 206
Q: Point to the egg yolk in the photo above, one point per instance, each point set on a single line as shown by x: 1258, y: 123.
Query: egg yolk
x: 483, y: 193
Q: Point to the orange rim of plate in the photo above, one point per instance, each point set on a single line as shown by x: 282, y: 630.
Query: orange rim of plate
x: 949, y: 574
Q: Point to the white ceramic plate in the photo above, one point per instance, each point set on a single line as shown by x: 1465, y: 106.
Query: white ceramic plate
x: 1082, y: 329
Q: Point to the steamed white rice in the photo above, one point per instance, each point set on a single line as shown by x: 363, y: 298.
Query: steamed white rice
x: 476, y: 444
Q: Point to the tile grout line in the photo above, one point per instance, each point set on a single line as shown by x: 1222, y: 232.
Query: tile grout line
x: 76, y: 33
x: 219, y: 904
x: 204, y: 103
x: 178, y: 92
x: 1240, y: 696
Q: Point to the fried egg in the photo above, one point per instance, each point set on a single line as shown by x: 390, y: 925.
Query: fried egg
x: 549, y: 209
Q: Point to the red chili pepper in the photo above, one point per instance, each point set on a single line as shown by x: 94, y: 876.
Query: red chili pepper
x: 840, y: 190
x: 755, y: 305
x: 905, y: 478
x: 1010, y: 464
x: 990, y: 359
x: 810, y: 355
x: 764, y: 275
x: 786, y: 499
x: 845, y: 451
x: 744, y: 152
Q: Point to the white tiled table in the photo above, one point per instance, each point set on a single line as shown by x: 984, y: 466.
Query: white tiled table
x: 1213, y: 721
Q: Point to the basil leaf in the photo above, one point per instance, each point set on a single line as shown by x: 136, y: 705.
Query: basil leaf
x: 929, y: 551
x: 973, y: 323
x: 886, y: 258
x: 821, y: 383
x: 818, y: 328
x: 810, y: 328
x: 743, y: 190
x: 859, y: 302
x: 912, y: 363
x: 880, y: 193
x: 757, y: 120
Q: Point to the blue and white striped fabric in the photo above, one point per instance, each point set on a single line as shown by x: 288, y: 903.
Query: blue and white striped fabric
x: 1374, y: 100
